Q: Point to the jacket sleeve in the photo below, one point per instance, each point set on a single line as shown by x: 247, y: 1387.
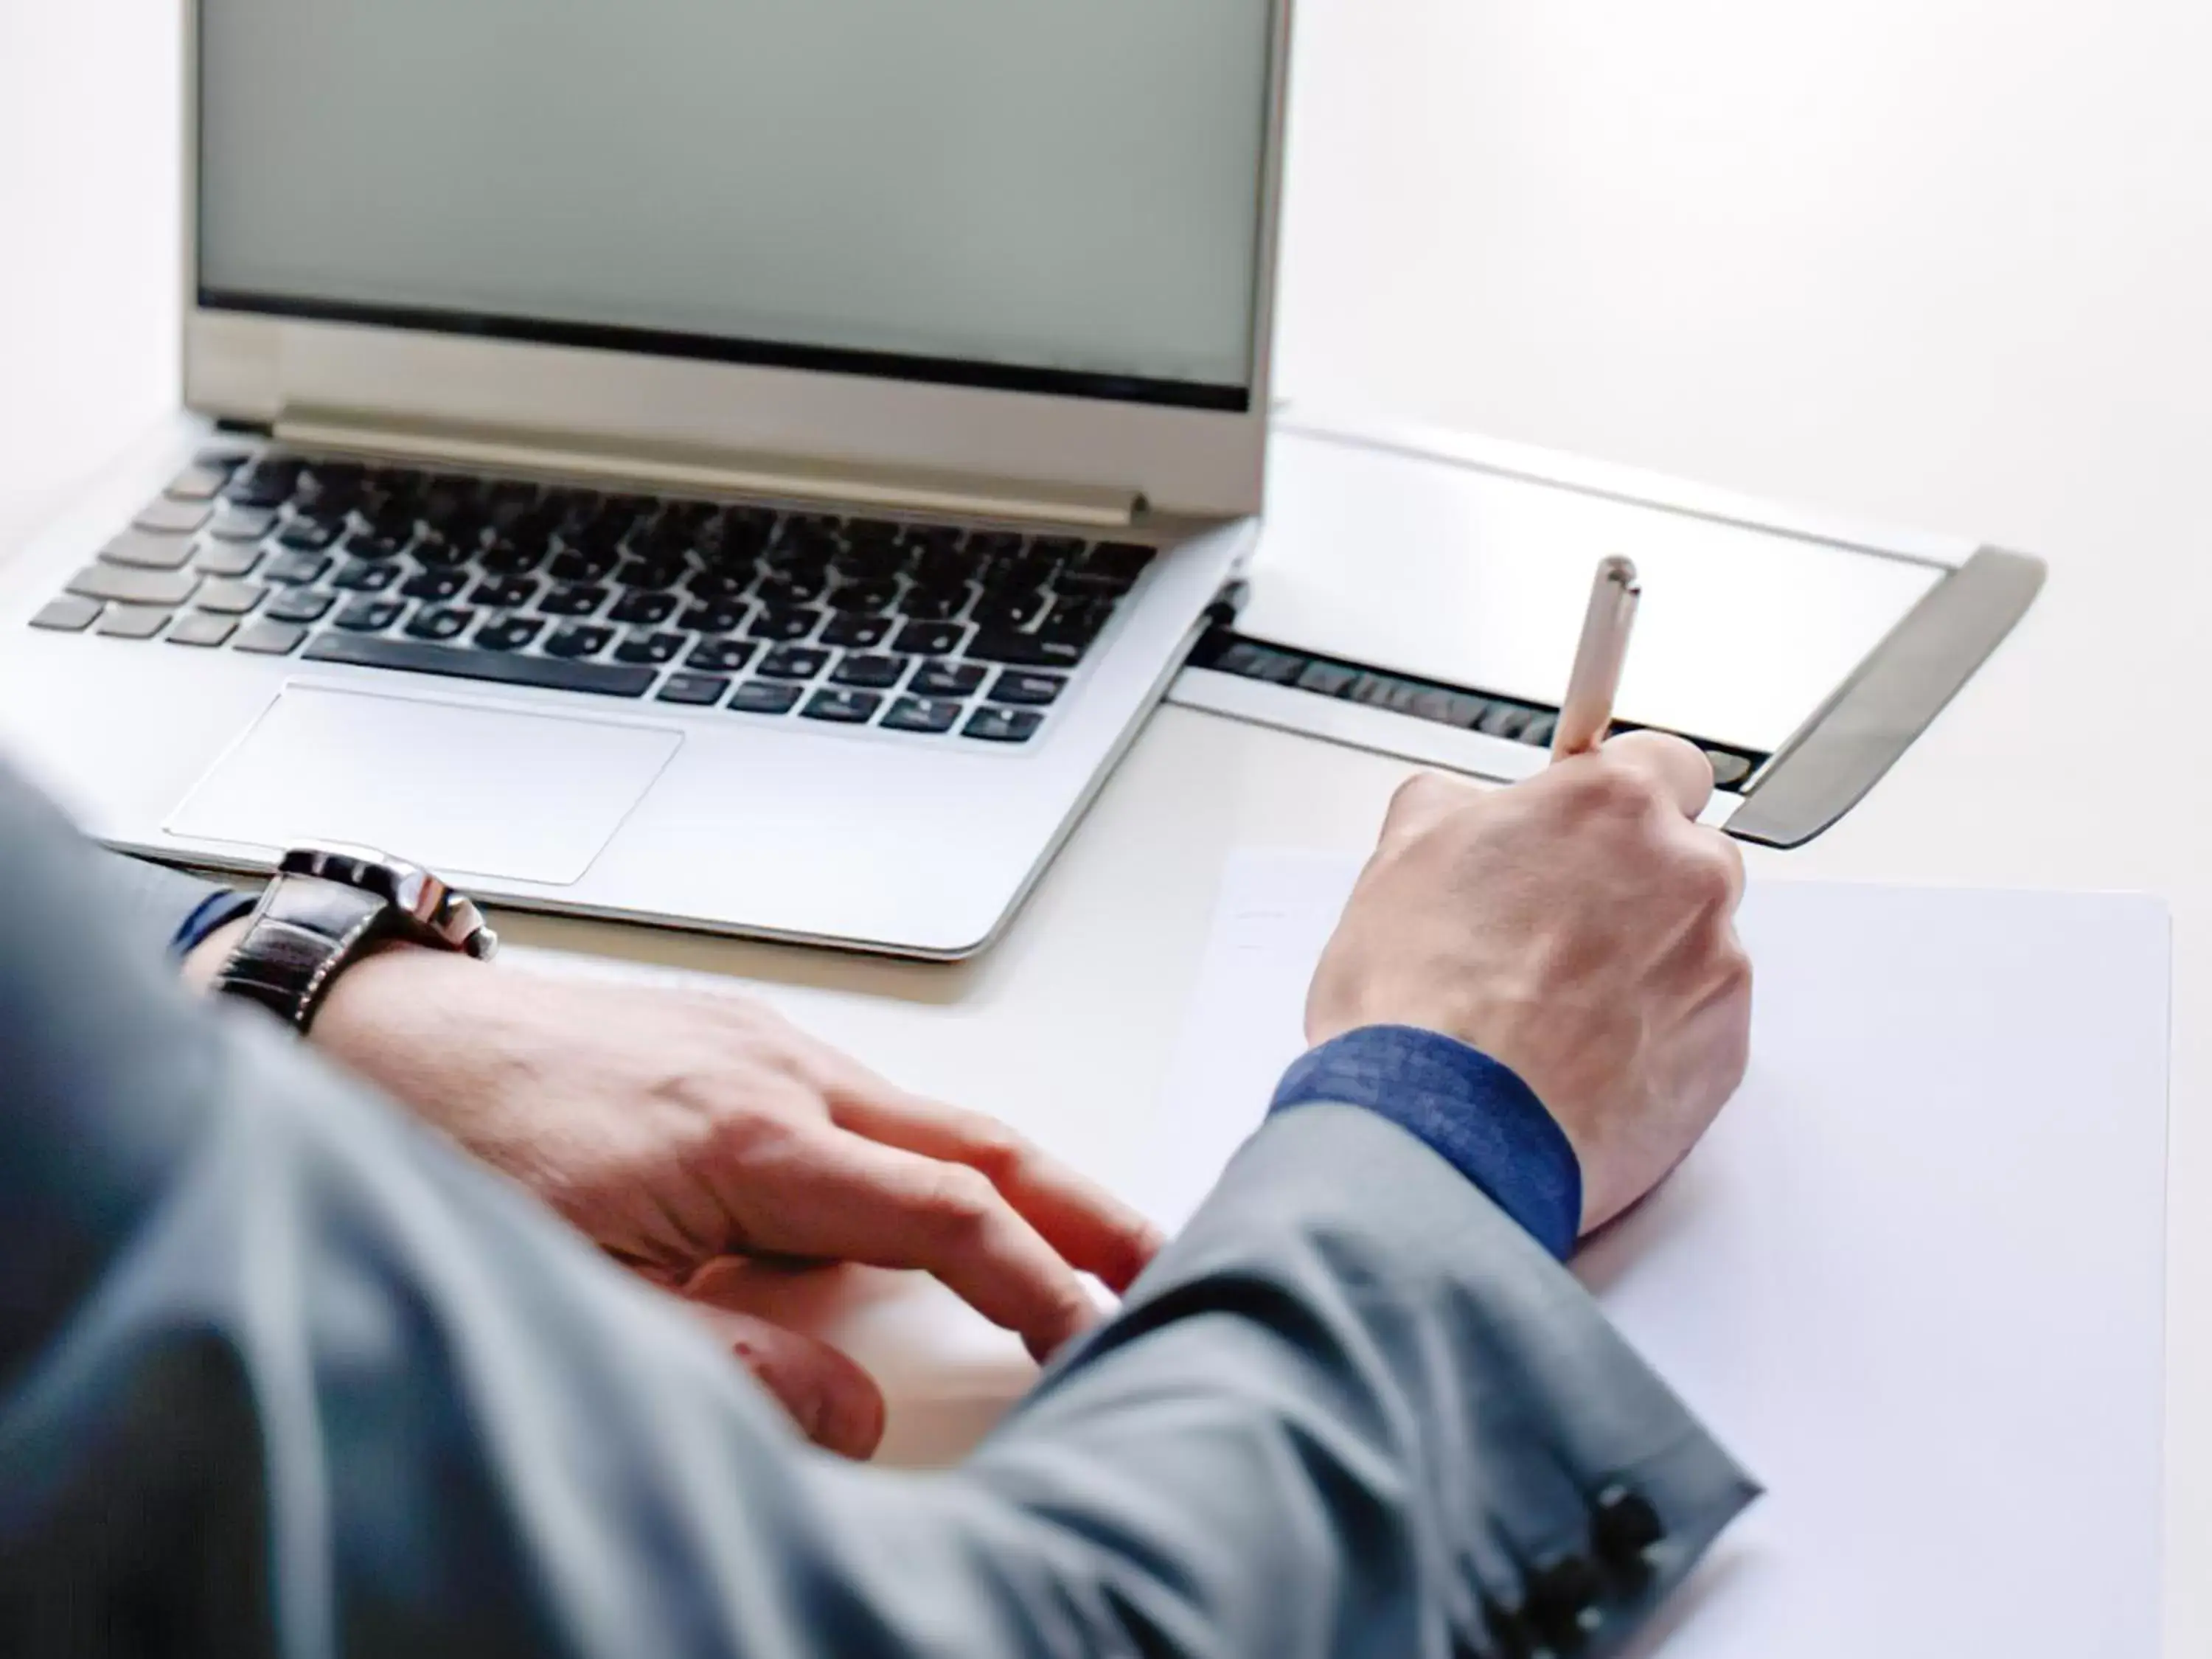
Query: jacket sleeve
x: 152, y: 904
x: 279, y: 1374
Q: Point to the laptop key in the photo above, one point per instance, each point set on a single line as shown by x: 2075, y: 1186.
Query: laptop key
x: 843, y: 708
x: 226, y: 558
x: 929, y: 639
x: 143, y: 550
x: 864, y: 597
x: 307, y: 535
x: 241, y: 524
x: 1010, y: 610
x: 299, y: 605
x: 132, y: 622
x: 369, y: 615
x: 947, y: 679
x: 1002, y: 725
x: 695, y: 690
x: 724, y: 617
x: 297, y: 569
x: 720, y: 656
x: 228, y: 598
x: 442, y: 552
x: 503, y: 668
x: 644, y: 645
x: 572, y: 599
x: 436, y: 585
x: 582, y: 567
x: 655, y: 576
x: 361, y: 577
x: 374, y: 545
x: 1030, y: 690
x: 802, y: 585
x: 168, y: 518
x: 504, y: 592
x: 765, y: 697
x: 1075, y: 621
x: 708, y: 586
x: 857, y: 633
x: 935, y: 603
x: 125, y: 585
x: 68, y: 615
x: 508, y: 633
x: 784, y: 621
x: 872, y: 672
x: 644, y: 609
x: 440, y: 622
x: 221, y: 458
x: 794, y: 662
x: 929, y: 715
x: 511, y: 558
x: 1110, y: 568
x: 1022, y: 650
x: 578, y: 639
x: 266, y: 638
x: 203, y: 628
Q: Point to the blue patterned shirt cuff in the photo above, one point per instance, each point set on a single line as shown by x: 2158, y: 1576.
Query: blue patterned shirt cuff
x: 211, y: 914
x: 1477, y: 1115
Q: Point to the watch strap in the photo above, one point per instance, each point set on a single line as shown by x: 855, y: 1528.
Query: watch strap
x: 304, y: 929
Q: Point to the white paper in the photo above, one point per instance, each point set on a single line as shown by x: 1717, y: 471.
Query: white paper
x: 1913, y: 1280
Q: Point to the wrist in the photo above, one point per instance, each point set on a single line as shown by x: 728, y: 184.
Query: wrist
x: 206, y: 958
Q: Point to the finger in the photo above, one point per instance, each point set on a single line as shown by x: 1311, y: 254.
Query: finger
x: 1678, y: 769
x: 849, y: 1198
x: 1089, y: 1226
x: 835, y: 1404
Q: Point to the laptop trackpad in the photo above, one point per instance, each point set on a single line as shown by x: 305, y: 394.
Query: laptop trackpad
x: 459, y: 788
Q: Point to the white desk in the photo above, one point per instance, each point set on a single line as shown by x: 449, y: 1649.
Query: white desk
x: 1941, y: 262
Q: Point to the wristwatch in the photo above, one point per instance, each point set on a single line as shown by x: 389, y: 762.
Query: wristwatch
x: 330, y: 906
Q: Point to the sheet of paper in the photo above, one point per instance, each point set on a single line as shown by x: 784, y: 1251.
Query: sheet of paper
x: 1913, y: 1279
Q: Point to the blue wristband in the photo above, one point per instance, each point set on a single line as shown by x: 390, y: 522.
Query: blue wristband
x: 1476, y: 1114
x: 210, y: 915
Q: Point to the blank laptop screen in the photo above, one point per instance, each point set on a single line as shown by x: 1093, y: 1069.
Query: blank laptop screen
x: 1048, y: 195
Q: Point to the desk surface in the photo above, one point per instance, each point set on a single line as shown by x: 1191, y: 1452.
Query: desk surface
x: 1937, y: 262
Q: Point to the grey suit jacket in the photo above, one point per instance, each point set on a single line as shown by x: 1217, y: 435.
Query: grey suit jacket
x: 281, y: 1374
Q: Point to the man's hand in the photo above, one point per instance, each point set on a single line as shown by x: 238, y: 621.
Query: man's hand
x: 1578, y: 928
x: 674, y: 1128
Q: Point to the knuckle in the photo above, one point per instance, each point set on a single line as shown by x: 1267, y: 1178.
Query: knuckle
x: 993, y: 1149
x: 1613, y: 789
x: 956, y: 1200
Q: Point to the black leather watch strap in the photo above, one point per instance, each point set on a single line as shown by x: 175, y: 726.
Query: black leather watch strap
x: 301, y: 933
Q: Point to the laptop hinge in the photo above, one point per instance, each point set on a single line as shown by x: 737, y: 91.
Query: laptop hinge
x: 687, y: 470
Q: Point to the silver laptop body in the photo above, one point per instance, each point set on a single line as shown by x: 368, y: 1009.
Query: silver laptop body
x: 748, y: 466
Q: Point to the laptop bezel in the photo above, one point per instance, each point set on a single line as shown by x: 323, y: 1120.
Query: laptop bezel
x: 255, y: 367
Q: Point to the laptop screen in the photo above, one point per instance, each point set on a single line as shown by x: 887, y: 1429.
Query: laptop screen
x: 1060, y: 196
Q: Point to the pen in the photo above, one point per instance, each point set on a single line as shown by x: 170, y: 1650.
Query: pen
x: 1587, y: 714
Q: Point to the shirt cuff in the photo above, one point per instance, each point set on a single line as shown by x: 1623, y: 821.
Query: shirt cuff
x: 1474, y: 1113
x: 210, y: 916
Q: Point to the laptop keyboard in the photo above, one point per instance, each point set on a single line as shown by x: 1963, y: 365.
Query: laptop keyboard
x: 925, y: 630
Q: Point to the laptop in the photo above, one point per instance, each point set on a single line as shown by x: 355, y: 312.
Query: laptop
x: 743, y: 465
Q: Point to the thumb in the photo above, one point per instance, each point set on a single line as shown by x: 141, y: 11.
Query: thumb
x: 835, y: 1404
